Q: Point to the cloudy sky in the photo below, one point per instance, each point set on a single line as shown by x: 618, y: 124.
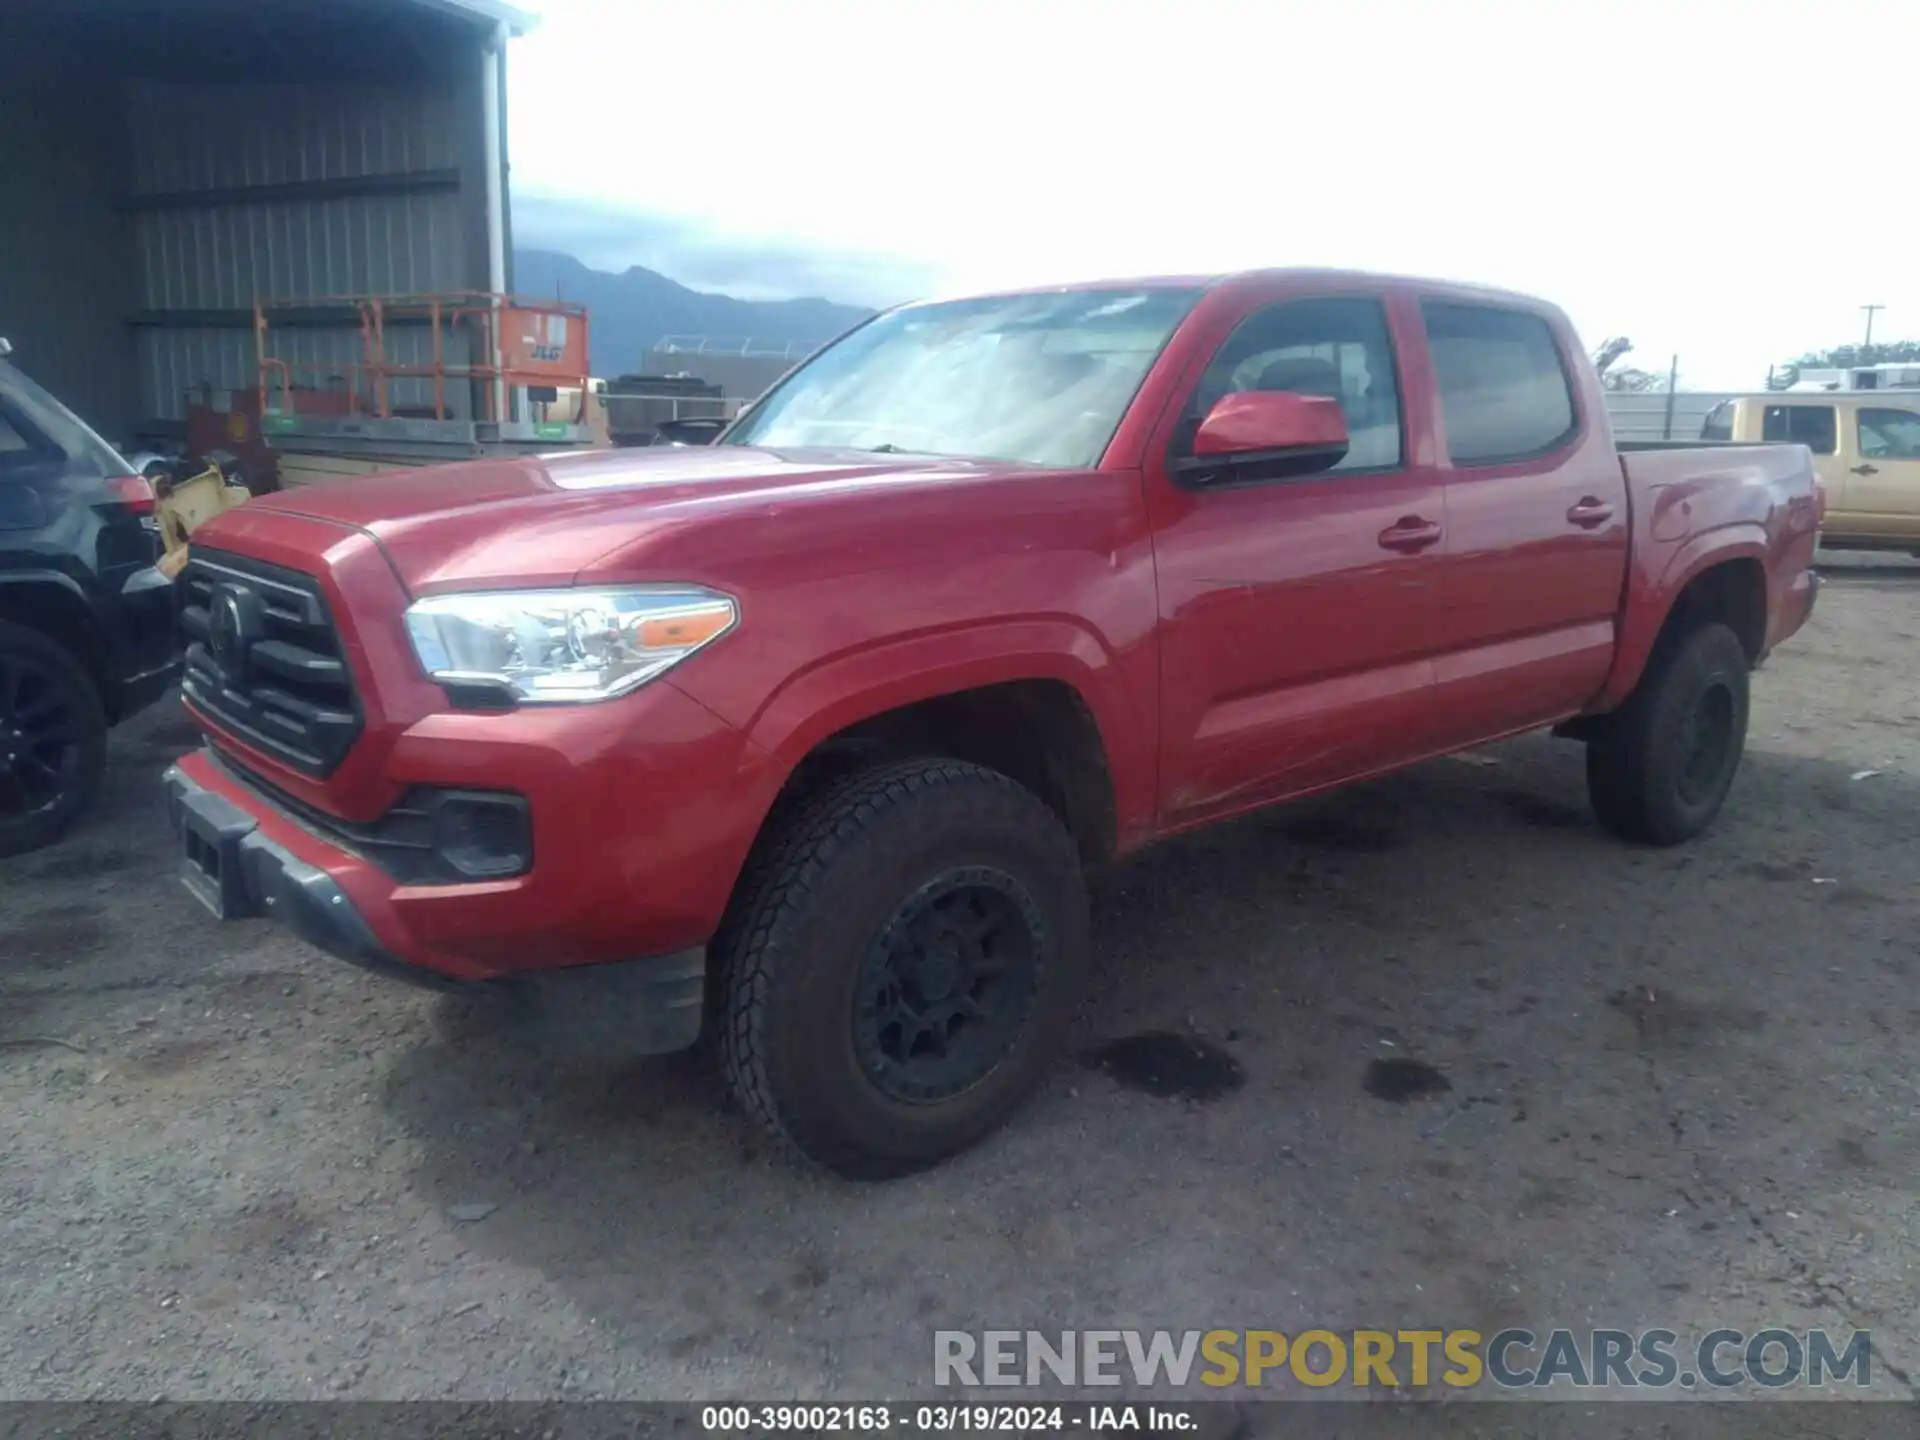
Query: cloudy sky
x: 1729, y: 181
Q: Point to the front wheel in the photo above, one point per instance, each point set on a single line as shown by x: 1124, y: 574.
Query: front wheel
x: 900, y: 964
x: 1658, y: 769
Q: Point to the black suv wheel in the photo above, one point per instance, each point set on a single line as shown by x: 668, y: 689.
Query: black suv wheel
x: 53, y: 739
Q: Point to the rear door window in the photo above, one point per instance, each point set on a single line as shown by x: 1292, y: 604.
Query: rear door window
x: 1810, y: 425
x: 1504, y: 392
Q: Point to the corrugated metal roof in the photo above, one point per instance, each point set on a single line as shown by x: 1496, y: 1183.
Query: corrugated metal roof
x: 517, y: 21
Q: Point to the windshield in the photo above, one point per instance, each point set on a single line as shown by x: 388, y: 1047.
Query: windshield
x: 1042, y: 379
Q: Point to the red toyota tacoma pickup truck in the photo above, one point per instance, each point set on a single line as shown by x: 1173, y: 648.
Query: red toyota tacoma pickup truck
x: 817, y: 730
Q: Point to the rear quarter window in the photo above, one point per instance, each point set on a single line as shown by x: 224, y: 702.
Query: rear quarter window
x: 46, y: 428
x: 1504, y: 393
x: 24, y: 451
x: 1719, y: 423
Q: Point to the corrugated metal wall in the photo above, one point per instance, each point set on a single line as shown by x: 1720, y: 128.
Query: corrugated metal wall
x: 65, y: 285
x: 1644, y: 417
x: 188, y: 140
x: 220, y: 255
x: 165, y: 164
x: 175, y: 364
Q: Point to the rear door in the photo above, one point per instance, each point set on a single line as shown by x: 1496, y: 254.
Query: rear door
x: 1536, y: 553
x: 1881, y: 496
x: 1296, y: 613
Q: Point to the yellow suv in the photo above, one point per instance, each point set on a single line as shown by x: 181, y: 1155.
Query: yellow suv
x: 1866, y: 450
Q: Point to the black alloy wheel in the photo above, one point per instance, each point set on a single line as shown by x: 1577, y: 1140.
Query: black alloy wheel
x: 899, y: 963
x: 52, y: 740
x: 1659, y: 768
x: 947, y: 985
x: 1706, y: 743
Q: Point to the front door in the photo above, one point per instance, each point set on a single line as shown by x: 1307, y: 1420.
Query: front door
x: 1880, y: 495
x: 1295, y: 613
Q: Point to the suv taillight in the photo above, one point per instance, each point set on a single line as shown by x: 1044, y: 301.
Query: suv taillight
x: 134, y: 491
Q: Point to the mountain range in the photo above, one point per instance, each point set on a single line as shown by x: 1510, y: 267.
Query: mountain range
x: 632, y: 310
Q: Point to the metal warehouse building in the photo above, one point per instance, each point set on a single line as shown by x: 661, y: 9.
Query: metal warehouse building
x: 163, y: 163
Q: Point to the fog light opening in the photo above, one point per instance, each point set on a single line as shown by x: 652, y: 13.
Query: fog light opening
x: 484, y: 837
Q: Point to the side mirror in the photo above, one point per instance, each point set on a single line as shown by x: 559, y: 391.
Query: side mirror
x: 1267, y: 434
x: 699, y: 430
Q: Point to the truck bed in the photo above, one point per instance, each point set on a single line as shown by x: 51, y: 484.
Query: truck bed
x: 1760, y: 501
x: 1774, y: 473
x: 1641, y: 446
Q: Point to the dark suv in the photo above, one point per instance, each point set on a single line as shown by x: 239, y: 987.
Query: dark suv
x: 86, y: 621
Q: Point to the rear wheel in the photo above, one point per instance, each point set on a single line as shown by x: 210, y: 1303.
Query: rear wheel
x: 1659, y: 768
x: 899, y: 965
x: 53, y: 739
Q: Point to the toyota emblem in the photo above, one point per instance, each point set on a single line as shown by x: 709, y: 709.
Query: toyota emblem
x: 230, y: 626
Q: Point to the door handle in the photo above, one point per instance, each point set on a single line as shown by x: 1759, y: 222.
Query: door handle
x: 1410, y: 533
x: 1588, y: 512
x: 1865, y: 470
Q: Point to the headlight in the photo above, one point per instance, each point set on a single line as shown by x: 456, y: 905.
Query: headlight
x: 565, y: 645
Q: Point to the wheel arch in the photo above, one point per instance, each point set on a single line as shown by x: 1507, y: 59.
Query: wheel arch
x: 55, y: 606
x: 1720, y: 575
x: 1053, y: 676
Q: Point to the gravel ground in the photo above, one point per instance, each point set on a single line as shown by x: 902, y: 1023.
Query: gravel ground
x: 1681, y: 1094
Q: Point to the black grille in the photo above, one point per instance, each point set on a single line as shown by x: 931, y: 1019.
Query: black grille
x: 267, y: 666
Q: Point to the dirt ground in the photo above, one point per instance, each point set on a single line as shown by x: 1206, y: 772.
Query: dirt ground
x: 1681, y: 1093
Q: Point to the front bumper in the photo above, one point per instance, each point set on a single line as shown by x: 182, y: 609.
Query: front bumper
x: 641, y: 810
x: 137, y: 692
x: 145, y: 654
x: 230, y: 866
x: 233, y: 866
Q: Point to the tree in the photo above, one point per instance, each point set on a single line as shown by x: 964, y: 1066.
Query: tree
x: 1638, y: 382
x: 1845, y: 357
x: 1610, y: 351
x: 1628, y: 379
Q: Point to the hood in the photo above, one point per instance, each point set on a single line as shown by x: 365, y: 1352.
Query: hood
x: 543, y: 520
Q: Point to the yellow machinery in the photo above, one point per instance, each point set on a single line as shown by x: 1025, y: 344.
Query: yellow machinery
x: 183, y: 506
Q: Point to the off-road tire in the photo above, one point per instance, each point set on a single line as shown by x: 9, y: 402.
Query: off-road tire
x: 816, y: 895
x: 1637, y: 760
x: 86, y: 719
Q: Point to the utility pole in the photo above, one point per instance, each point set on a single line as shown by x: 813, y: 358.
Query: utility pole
x: 1870, y: 309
